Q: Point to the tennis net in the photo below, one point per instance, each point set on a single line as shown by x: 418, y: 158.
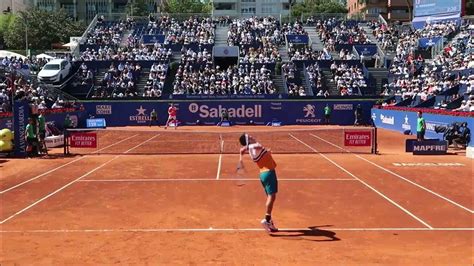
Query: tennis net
x: 280, y: 141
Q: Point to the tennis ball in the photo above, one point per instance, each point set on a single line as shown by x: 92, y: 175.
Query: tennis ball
x: 6, y: 145
x: 6, y: 134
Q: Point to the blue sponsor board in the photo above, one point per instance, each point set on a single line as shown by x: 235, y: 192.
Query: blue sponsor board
x: 21, y: 112
x: 434, y: 7
x: 95, y: 123
x: 56, y: 119
x: 430, y: 147
x: 6, y: 122
x: 406, y: 121
x: 241, y: 112
x: 428, y: 42
x: 152, y: 39
x: 366, y: 50
x: 303, y: 39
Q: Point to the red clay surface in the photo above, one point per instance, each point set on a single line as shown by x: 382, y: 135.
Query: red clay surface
x: 128, y: 205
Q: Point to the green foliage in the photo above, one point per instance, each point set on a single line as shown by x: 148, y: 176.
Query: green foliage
x: 137, y: 8
x: 187, y: 6
x: 44, y: 29
x: 309, y: 7
x: 469, y: 7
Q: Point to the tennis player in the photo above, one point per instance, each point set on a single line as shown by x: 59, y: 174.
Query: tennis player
x: 172, y: 116
x: 264, y: 160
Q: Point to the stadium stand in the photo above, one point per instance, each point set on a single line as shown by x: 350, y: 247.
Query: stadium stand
x: 174, y: 56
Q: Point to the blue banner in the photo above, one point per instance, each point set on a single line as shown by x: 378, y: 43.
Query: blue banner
x: 406, y: 121
x: 241, y: 112
x: 152, y: 39
x: 56, y: 119
x: 95, y: 123
x: 427, y: 42
x: 302, y: 39
x: 21, y: 112
x: 366, y: 50
x: 434, y: 7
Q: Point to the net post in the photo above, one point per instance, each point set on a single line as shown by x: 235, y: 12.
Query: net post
x: 97, y: 150
x: 374, y: 140
x: 66, y: 142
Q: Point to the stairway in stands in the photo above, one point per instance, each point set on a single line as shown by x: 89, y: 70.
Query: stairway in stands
x: 142, y: 81
x: 380, y: 75
x: 328, y: 82
x: 284, y: 54
x: 221, y: 35
x: 279, y: 83
x: 124, y: 40
x: 369, y: 32
x: 316, y: 42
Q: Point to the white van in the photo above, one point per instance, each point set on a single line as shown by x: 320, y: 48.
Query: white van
x: 55, y: 71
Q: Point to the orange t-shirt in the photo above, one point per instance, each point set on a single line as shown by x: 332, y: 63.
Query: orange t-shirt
x: 262, y: 157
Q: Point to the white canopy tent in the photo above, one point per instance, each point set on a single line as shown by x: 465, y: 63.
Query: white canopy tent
x: 5, y: 53
x: 45, y: 56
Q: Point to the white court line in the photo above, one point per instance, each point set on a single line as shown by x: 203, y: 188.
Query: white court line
x: 397, y: 175
x: 364, y: 183
x: 61, y: 166
x: 209, y: 179
x: 72, y: 182
x: 216, y: 230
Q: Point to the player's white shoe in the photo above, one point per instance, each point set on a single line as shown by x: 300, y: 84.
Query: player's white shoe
x: 269, y: 226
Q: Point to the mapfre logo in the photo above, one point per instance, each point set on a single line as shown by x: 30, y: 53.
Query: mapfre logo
x: 141, y: 116
x: 103, y: 109
x: 309, y: 110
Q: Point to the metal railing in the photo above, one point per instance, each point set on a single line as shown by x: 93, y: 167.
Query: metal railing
x: 89, y: 28
x: 382, y: 20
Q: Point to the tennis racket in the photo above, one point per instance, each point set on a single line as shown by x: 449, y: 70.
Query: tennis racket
x: 240, y: 164
x: 240, y: 172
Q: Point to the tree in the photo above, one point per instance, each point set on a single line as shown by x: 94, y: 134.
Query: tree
x: 469, y: 7
x: 138, y: 8
x: 44, y: 29
x: 187, y: 6
x: 5, y: 22
x: 309, y: 7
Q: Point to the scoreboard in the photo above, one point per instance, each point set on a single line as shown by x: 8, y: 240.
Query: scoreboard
x: 436, y: 7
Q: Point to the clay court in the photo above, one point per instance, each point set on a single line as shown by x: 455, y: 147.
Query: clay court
x: 127, y: 203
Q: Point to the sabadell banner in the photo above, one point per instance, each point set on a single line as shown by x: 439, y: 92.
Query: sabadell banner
x: 240, y: 112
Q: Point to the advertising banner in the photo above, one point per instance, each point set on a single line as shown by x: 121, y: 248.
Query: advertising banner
x: 225, y: 51
x: 366, y: 50
x: 83, y: 140
x: 95, y: 123
x: 430, y: 147
x: 241, y: 112
x: 152, y: 39
x: 357, y: 138
x: 405, y: 121
x: 427, y: 42
x: 21, y: 112
x: 435, y: 7
x: 300, y: 39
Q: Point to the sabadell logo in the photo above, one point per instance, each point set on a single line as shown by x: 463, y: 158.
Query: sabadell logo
x: 204, y: 111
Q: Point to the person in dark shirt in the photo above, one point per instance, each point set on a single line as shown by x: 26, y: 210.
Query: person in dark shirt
x: 462, y: 136
x: 358, y: 115
x: 224, y: 117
